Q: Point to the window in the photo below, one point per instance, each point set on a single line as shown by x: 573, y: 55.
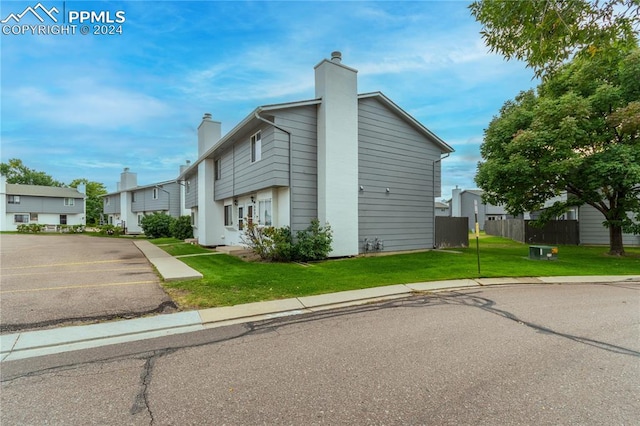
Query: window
x: 187, y: 186
x: 241, y: 218
x: 107, y: 201
x: 140, y: 217
x: 21, y: 218
x: 155, y: 193
x: 33, y: 217
x: 256, y: 147
x: 217, y: 166
x: 228, y: 213
x: 264, y: 212
x: 13, y: 199
x: 69, y: 202
x: 193, y: 219
x: 63, y: 219
x: 250, y: 215
x: 133, y: 197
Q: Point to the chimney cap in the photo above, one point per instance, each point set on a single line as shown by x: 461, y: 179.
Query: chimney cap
x: 126, y: 169
x: 336, y: 56
x: 207, y: 116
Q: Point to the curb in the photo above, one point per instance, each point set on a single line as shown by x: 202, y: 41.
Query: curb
x: 45, y: 342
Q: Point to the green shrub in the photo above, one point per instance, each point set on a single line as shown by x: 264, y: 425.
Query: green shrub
x: 157, y: 225
x: 24, y: 228
x: 314, y: 243
x: 110, y: 230
x: 181, y: 228
x: 277, y: 245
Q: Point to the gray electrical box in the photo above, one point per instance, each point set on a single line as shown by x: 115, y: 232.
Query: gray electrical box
x: 543, y: 252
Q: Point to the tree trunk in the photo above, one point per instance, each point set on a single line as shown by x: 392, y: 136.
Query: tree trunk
x: 615, y: 241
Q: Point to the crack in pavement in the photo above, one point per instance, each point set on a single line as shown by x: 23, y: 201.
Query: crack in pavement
x: 141, y: 400
x: 167, y: 305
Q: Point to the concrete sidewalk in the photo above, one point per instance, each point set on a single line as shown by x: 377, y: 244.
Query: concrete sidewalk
x: 170, y: 268
x: 44, y: 342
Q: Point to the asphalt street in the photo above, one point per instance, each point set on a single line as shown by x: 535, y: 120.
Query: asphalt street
x: 53, y: 280
x: 518, y: 354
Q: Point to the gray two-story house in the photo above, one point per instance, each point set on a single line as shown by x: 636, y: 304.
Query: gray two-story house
x: 44, y: 205
x: 357, y: 162
x: 130, y: 203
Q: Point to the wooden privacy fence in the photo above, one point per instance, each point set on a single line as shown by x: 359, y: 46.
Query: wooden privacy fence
x: 553, y: 232
x: 452, y: 232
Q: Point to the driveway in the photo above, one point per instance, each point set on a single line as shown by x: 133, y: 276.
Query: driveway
x: 50, y: 280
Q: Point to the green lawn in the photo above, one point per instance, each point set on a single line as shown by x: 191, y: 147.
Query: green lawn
x: 230, y: 281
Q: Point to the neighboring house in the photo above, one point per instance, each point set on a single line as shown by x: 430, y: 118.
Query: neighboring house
x: 355, y: 161
x: 44, y: 205
x: 442, y: 209
x: 592, y: 231
x: 130, y: 203
x: 462, y: 204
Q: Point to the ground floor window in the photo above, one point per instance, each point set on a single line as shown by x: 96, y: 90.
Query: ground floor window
x: 33, y: 217
x: 228, y: 213
x: 63, y: 219
x: 241, y: 218
x: 193, y: 219
x: 140, y: 217
x: 264, y: 212
x: 21, y: 218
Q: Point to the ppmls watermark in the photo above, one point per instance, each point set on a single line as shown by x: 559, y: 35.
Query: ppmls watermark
x: 62, y: 20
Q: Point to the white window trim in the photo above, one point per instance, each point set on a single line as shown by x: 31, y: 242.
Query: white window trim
x: 69, y: 202
x: 255, y: 147
x: 13, y: 199
x: 230, y: 216
x: 260, y: 221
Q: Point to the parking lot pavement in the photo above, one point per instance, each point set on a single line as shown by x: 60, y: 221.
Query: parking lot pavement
x: 50, y: 280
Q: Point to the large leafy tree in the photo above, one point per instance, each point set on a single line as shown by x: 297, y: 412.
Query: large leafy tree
x: 16, y: 172
x: 94, y: 191
x: 547, y: 33
x: 579, y: 133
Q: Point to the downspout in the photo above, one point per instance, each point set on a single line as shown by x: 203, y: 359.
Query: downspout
x: 257, y: 115
x: 433, y: 183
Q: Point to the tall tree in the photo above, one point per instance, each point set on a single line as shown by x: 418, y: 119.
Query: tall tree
x: 547, y: 33
x: 17, y: 172
x: 579, y: 133
x: 94, y: 191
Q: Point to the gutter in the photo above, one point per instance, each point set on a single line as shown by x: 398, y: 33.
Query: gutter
x: 257, y: 115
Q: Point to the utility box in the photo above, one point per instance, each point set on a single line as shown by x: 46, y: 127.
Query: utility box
x: 543, y: 252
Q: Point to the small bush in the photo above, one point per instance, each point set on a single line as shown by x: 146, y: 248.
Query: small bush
x: 314, y: 243
x: 277, y: 245
x: 181, y: 228
x: 110, y: 230
x: 32, y: 228
x: 157, y: 225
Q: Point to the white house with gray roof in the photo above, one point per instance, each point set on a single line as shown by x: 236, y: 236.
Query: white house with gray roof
x: 355, y: 161
x: 43, y: 205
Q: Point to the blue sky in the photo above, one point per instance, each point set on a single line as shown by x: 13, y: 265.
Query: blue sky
x: 89, y: 105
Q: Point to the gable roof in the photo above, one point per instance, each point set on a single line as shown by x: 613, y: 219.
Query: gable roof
x: 43, y: 191
x: 254, y: 118
x: 140, y: 187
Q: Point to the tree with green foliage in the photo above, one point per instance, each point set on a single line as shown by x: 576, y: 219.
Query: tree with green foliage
x: 579, y: 133
x: 16, y: 172
x: 94, y: 192
x: 547, y: 33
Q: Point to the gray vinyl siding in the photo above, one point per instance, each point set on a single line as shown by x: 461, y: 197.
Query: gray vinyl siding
x: 165, y: 201
x: 593, y: 232
x: 114, y: 204
x: 191, y: 197
x: 241, y: 176
x: 302, y: 123
x: 29, y: 204
x: 394, y: 155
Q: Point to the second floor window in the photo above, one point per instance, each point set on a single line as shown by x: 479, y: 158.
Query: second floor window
x: 217, y: 166
x: 69, y: 202
x: 13, y: 199
x: 256, y: 147
x: 155, y: 193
